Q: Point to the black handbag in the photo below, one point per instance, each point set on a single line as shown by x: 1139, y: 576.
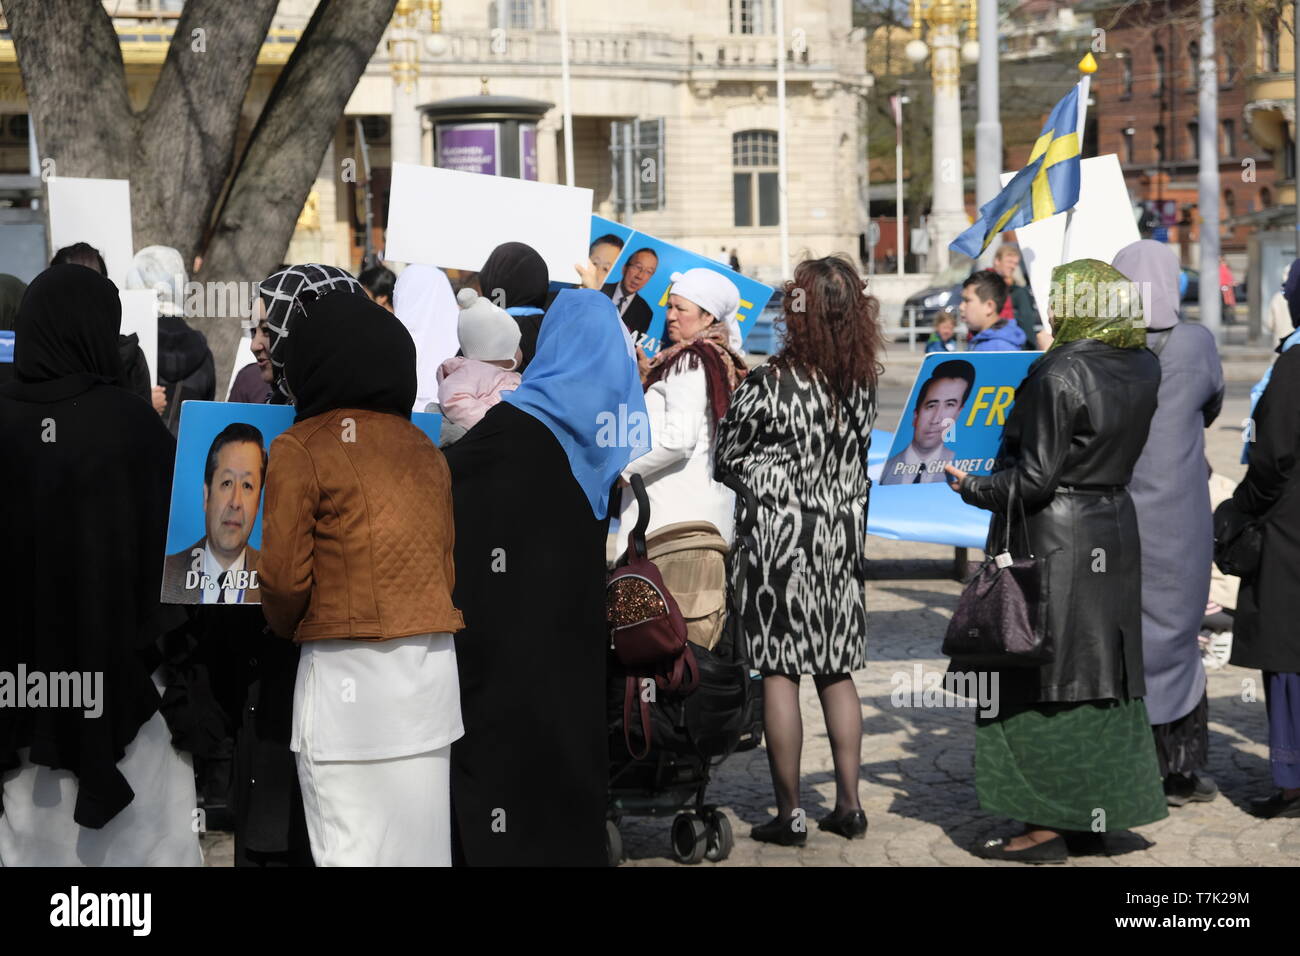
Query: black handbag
x: 1238, y: 540
x: 1001, y: 619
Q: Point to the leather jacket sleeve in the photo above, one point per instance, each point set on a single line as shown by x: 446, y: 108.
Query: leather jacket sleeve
x: 1045, y: 414
x: 1276, y: 433
x: 288, y: 535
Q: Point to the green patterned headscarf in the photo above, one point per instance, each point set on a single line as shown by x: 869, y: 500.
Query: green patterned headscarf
x: 1093, y: 300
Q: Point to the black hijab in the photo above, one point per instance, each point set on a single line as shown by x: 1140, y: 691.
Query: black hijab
x: 85, y: 481
x: 519, y: 272
x: 67, y: 325
x: 350, y: 353
x: 11, y: 293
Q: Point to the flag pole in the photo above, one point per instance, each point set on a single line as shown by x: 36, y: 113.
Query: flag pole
x: 1087, y: 66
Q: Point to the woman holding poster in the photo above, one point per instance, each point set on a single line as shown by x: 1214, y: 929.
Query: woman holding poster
x: 1071, y: 749
x: 688, y: 389
x: 356, y: 567
x: 796, y: 440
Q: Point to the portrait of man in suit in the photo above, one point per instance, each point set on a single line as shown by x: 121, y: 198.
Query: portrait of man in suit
x: 220, y: 568
x: 637, y: 271
x: 937, y: 406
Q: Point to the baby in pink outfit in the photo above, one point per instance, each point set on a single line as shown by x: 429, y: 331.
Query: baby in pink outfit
x: 472, y: 382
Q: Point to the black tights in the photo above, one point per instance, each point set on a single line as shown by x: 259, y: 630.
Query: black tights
x: 783, y: 727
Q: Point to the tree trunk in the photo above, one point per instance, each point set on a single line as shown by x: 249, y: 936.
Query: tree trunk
x: 76, y: 87
x: 285, y: 151
x: 178, y: 152
x: 184, y: 151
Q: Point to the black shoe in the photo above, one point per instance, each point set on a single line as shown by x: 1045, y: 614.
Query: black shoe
x: 1049, y: 851
x: 851, y: 825
x: 1182, y: 789
x: 1276, y: 806
x: 781, y: 832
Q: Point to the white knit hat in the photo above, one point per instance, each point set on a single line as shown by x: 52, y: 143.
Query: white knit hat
x: 487, y: 333
x: 711, y: 291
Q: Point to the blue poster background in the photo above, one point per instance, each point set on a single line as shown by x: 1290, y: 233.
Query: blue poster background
x: 203, y: 421
x: 976, y: 427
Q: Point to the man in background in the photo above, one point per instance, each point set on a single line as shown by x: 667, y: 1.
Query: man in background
x: 637, y: 271
x: 1019, y: 304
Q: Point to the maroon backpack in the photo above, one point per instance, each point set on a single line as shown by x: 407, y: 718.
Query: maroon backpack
x: 647, y: 631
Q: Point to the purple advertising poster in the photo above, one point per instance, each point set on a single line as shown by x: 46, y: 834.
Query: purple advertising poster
x: 469, y: 147
x: 528, y: 152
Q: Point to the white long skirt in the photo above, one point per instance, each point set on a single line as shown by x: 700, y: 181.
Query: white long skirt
x: 394, y: 812
x: 158, y: 827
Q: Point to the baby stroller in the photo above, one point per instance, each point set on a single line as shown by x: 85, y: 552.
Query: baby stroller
x: 690, y: 734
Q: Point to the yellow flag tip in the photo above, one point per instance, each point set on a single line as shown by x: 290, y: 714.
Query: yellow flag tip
x: 1088, y: 64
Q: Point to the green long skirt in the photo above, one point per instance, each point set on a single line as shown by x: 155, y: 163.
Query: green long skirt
x: 1078, y: 766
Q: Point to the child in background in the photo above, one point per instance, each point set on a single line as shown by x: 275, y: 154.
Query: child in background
x: 944, y: 336
x: 472, y: 382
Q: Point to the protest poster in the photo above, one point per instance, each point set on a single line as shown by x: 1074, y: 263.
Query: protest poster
x: 453, y: 220
x: 954, y: 415
x: 214, y: 527
x: 97, y: 211
x: 1100, y: 225
x: 140, y: 318
x: 640, y: 279
x: 932, y: 513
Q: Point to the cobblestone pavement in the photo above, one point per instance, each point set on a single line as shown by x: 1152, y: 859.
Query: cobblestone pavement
x: 917, y: 762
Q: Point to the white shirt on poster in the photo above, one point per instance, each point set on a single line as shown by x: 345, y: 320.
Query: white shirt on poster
x: 216, y: 574
x: 376, y: 700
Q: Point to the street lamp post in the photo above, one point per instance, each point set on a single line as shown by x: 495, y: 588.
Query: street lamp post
x: 945, y: 50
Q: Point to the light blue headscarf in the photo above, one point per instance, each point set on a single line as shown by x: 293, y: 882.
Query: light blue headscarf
x: 584, y: 386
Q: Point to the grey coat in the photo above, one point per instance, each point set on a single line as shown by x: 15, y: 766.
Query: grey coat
x: 1170, y: 491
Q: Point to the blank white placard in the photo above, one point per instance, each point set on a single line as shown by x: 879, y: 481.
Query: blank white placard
x: 97, y: 211
x: 140, y: 315
x: 1101, y: 224
x: 453, y: 220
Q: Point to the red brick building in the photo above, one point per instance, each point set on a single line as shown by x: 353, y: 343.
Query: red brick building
x: 1147, y: 110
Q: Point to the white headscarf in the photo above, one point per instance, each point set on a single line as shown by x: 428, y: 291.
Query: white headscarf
x: 715, y: 294
x: 162, y: 269
x: 423, y: 301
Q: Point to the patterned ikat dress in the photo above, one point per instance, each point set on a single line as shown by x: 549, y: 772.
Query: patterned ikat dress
x: 802, y: 597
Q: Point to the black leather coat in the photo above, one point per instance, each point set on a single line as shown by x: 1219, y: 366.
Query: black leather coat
x: 1266, y: 633
x: 1077, y: 427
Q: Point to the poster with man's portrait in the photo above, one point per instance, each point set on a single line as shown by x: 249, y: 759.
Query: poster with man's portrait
x: 214, y: 528
x: 636, y: 270
x: 954, y: 415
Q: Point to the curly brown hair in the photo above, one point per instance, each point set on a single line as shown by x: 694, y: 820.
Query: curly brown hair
x: 831, y: 325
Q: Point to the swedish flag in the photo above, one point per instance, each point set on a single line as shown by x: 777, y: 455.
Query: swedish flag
x: 1048, y: 185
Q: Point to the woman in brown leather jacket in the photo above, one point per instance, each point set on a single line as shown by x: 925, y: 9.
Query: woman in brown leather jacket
x: 357, y: 568
x: 1070, y: 748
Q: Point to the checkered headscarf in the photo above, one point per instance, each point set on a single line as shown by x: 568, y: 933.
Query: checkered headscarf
x: 284, y: 294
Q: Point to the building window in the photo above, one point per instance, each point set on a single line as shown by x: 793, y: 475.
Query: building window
x: 751, y: 16
x: 1126, y: 69
x: 518, y: 14
x: 1229, y: 146
x: 754, y: 178
x: 636, y: 150
x: 1193, y: 63
x: 1272, y: 40
x: 1229, y: 203
x: 1129, y: 153
x: 1194, y: 137
x: 1160, y: 70
x: 1160, y: 143
x: 1265, y: 198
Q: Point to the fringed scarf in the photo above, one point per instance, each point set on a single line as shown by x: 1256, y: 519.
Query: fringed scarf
x: 723, y: 368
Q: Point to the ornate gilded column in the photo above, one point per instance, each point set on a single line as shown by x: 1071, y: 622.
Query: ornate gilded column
x: 943, y: 18
x: 405, y: 35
